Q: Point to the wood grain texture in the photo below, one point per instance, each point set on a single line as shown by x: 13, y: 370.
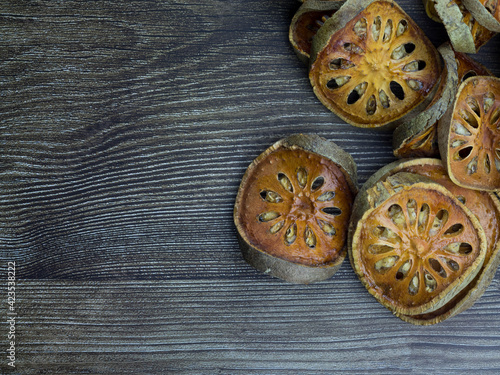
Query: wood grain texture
x: 125, y: 130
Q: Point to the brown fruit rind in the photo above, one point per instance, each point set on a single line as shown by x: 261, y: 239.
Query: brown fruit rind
x: 469, y: 135
x: 486, y: 207
x: 305, y: 243
x: 487, y: 18
x: 418, y: 137
x: 372, y: 65
x: 401, y: 271
x: 306, y: 22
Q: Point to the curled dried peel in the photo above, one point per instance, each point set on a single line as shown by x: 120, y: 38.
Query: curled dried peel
x: 292, y: 209
x: 469, y: 135
x: 486, y: 12
x: 376, y: 68
x: 417, y: 249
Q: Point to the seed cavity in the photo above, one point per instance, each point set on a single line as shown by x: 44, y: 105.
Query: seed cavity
x: 302, y: 177
x: 495, y: 116
x: 327, y: 228
x: 414, y: 84
x: 439, y: 220
x: 351, y: 47
x: 309, y: 237
x: 404, y: 270
x: 285, y: 182
x: 461, y: 199
x: 357, y: 93
x: 458, y: 248
x: 414, y: 66
x: 360, y: 28
x: 459, y: 129
x: 317, y: 183
x: 472, y: 166
x: 385, y: 234
x: 387, y: 31
x: 340, y: 63
x: 462, y: 153
x: 473, y: 104
x: 384, y: 99
x: 376, y: 27
x: 488, y: 101
x: 487, y: 164
x: 291, y: 234
x: 411, y: 208
x: 271, y: 196
x: 397, y: 216
x: 268, y: 216
x: 277, y: 227
x: 414, y: 285
x: 402, y: 51
x: 337, y: 82
x: 402, y: 27
x: 436, y: 266
x: 397, y: 90
x: 469, y: 74
x: 332, y: 211
x: 385, y: 264
x: 458, y: 142
x: 469, y: 118
x: 325, y: 197
x: 371, y: 105
x: 455, y: 229
x: 430, y: 282
x: 452, y: 265
x: 423, y: 217
x: 379, y: 249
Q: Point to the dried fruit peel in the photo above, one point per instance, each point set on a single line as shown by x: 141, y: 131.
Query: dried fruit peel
x: 469, y: 135
x: 400, y: 269
x: 306, y: 22
x: 418, y: 137
x: 486, y: 12
x: 372, y: 65
x: 293, y: 207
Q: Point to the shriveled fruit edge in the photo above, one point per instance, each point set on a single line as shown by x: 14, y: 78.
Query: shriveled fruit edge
x: 444, y: 127
x: 483, y: 278
x: 277, y: 267
x: 453, y: 289
x: 310, y: 6
x: 458, y: 32
x: 481, y: 15
x: 338, y: 21
x: 428, y: 118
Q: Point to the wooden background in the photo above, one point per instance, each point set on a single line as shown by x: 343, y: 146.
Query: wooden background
x: 126, y: 127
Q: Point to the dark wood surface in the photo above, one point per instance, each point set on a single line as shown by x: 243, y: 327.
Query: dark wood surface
x: 126, y: 127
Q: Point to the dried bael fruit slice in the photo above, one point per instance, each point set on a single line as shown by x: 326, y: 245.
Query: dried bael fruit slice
x: 465, y: 33
x: 417, y: 246
x: 418, y: 137
x: 293, y: 207
x: 486, y: 12
x: 469, y: 135
x: 486, y: 207
x: 372, y: 65
x: 421, y: 140
x: 306, y: 22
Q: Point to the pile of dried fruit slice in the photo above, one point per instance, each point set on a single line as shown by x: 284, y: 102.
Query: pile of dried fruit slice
x: 415, y: 246
x: 293, y: 207
x: 372, y: 65
x: 484, y: 205
x: 469, y: 135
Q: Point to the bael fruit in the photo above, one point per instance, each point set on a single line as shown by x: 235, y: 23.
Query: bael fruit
x: 486, y: 207
x: 465, y: 33
x: 418, y: 137
x: 372, y: 65
x: 469, y: 135
x: 306, y: 22
x: 486, y: 12
x: 293, y: 207
x: 416, y: 246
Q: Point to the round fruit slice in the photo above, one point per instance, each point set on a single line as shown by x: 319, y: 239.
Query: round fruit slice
x: 418, y: 137
x: 468, y: 67
x: 486, y: 12
x: 372, y: 65
x: 469, y: 135
x: 417, y: 246
x: 293, y: 207
x: 465, y: 33
x: 306, y: 22
x: 486, y: 207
